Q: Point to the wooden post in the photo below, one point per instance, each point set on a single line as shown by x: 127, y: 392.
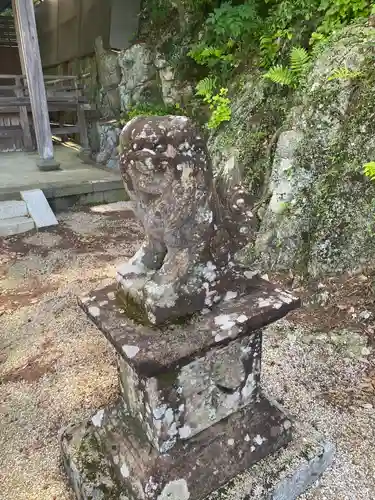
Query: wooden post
x: 24, y: 118
x: 28, y: 46
x: 81, y: 120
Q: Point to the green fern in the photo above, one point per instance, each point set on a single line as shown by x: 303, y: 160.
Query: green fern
x: 268, y: 50
x: 369, y: 170
x: 206, y: 87
x: 281, y: 75
x: 299, y: 60
x: 291, y: 76
x: 344, y: 73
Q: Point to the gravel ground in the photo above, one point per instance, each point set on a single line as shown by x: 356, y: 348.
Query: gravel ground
x: 55, y: 367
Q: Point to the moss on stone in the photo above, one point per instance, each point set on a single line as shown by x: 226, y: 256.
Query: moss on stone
x: 258, y: 110
x: 326, y: 229
x: 133, y: 309
x: 93, y: 466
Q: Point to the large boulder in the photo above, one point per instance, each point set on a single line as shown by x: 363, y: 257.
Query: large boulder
x: 240, y: 148
x: 138, y: 77
x: 320, y: 214
x: 109, y: 77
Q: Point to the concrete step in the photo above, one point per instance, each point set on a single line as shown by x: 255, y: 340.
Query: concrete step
x: 15, y: 225
x: 12, y: 208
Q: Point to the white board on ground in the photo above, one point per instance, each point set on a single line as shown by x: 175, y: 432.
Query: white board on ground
x: 39, y: 208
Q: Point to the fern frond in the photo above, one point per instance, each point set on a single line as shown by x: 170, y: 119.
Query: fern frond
x: 281, y: 75
x: 299, y: 59
x: 369, y: 170
x: 206, y: 86
x: 344, y: 73
x: 268, y: 50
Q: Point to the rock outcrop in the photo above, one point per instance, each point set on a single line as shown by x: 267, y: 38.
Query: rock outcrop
x: 320, y: 217
x: 318, y: 207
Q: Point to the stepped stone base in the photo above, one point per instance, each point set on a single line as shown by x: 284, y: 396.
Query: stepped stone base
x: 109, y: 458
x: 101, y: 465
x: 286, y: 474
x: 191, y: 416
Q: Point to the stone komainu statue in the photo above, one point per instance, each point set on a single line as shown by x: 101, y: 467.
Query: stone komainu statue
x: 191, y: 234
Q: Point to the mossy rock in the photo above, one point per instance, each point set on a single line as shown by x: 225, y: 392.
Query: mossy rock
x: 328, y: 226
x: 240, y: 149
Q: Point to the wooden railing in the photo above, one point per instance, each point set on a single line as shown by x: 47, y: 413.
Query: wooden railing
x: 7, y: 32
x: 64, y: 94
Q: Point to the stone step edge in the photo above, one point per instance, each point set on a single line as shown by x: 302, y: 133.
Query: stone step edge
x: 16, y: 225
x: 12, y: 209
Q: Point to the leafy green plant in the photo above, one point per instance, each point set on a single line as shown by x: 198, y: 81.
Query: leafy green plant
x: 344, y: 73
x: 210, y: 56
x: 337, y: 13
x: 290, y: 76
x: 369, y: 170
x: 281, y: 75
x: 218, y: 102
x: 271, y: 45
x: 226, y: 29
x: 299, y: 60
x: 233, y: 21
x: 206, y: 87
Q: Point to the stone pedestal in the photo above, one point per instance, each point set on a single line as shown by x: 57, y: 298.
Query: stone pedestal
x: 191, y: 415
x: 48, y: 165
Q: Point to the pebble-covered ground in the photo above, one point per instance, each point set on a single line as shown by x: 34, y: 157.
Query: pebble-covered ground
x: 56, y: 368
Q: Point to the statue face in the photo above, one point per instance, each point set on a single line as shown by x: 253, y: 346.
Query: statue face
x: 156, y: 151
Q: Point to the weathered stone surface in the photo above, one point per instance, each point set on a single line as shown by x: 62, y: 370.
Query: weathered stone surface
x: 16, y: 225
x: 186, y: 261
x: 173, y: 90
x: 109, y: 75
x: 109, y: 133
x: 180, y: 380
x: 320, y: 215
x: 286, y: 474
x: 138, y: 76
x: 13, y: 208
x: 241, y: 148
x: 107, y: 457
x: 153, y: 351
x: 179, y: 404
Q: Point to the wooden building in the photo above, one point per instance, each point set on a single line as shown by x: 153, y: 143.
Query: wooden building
x: 27, y: 97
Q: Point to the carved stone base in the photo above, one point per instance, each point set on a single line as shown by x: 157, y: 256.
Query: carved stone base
x: 191, y: 415
x: 109, y: 458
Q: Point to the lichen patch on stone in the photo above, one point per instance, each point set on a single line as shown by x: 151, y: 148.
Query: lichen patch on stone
x: 225, y: 321
x: 242, y: 319
x: 184, y: 432
x: 130, y: 350
x: 97, y: 419
x: 125, y: 472
x: 175, y: 490
x: 259, y: 440
x: 94, y: 311
x: 230, y: 296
